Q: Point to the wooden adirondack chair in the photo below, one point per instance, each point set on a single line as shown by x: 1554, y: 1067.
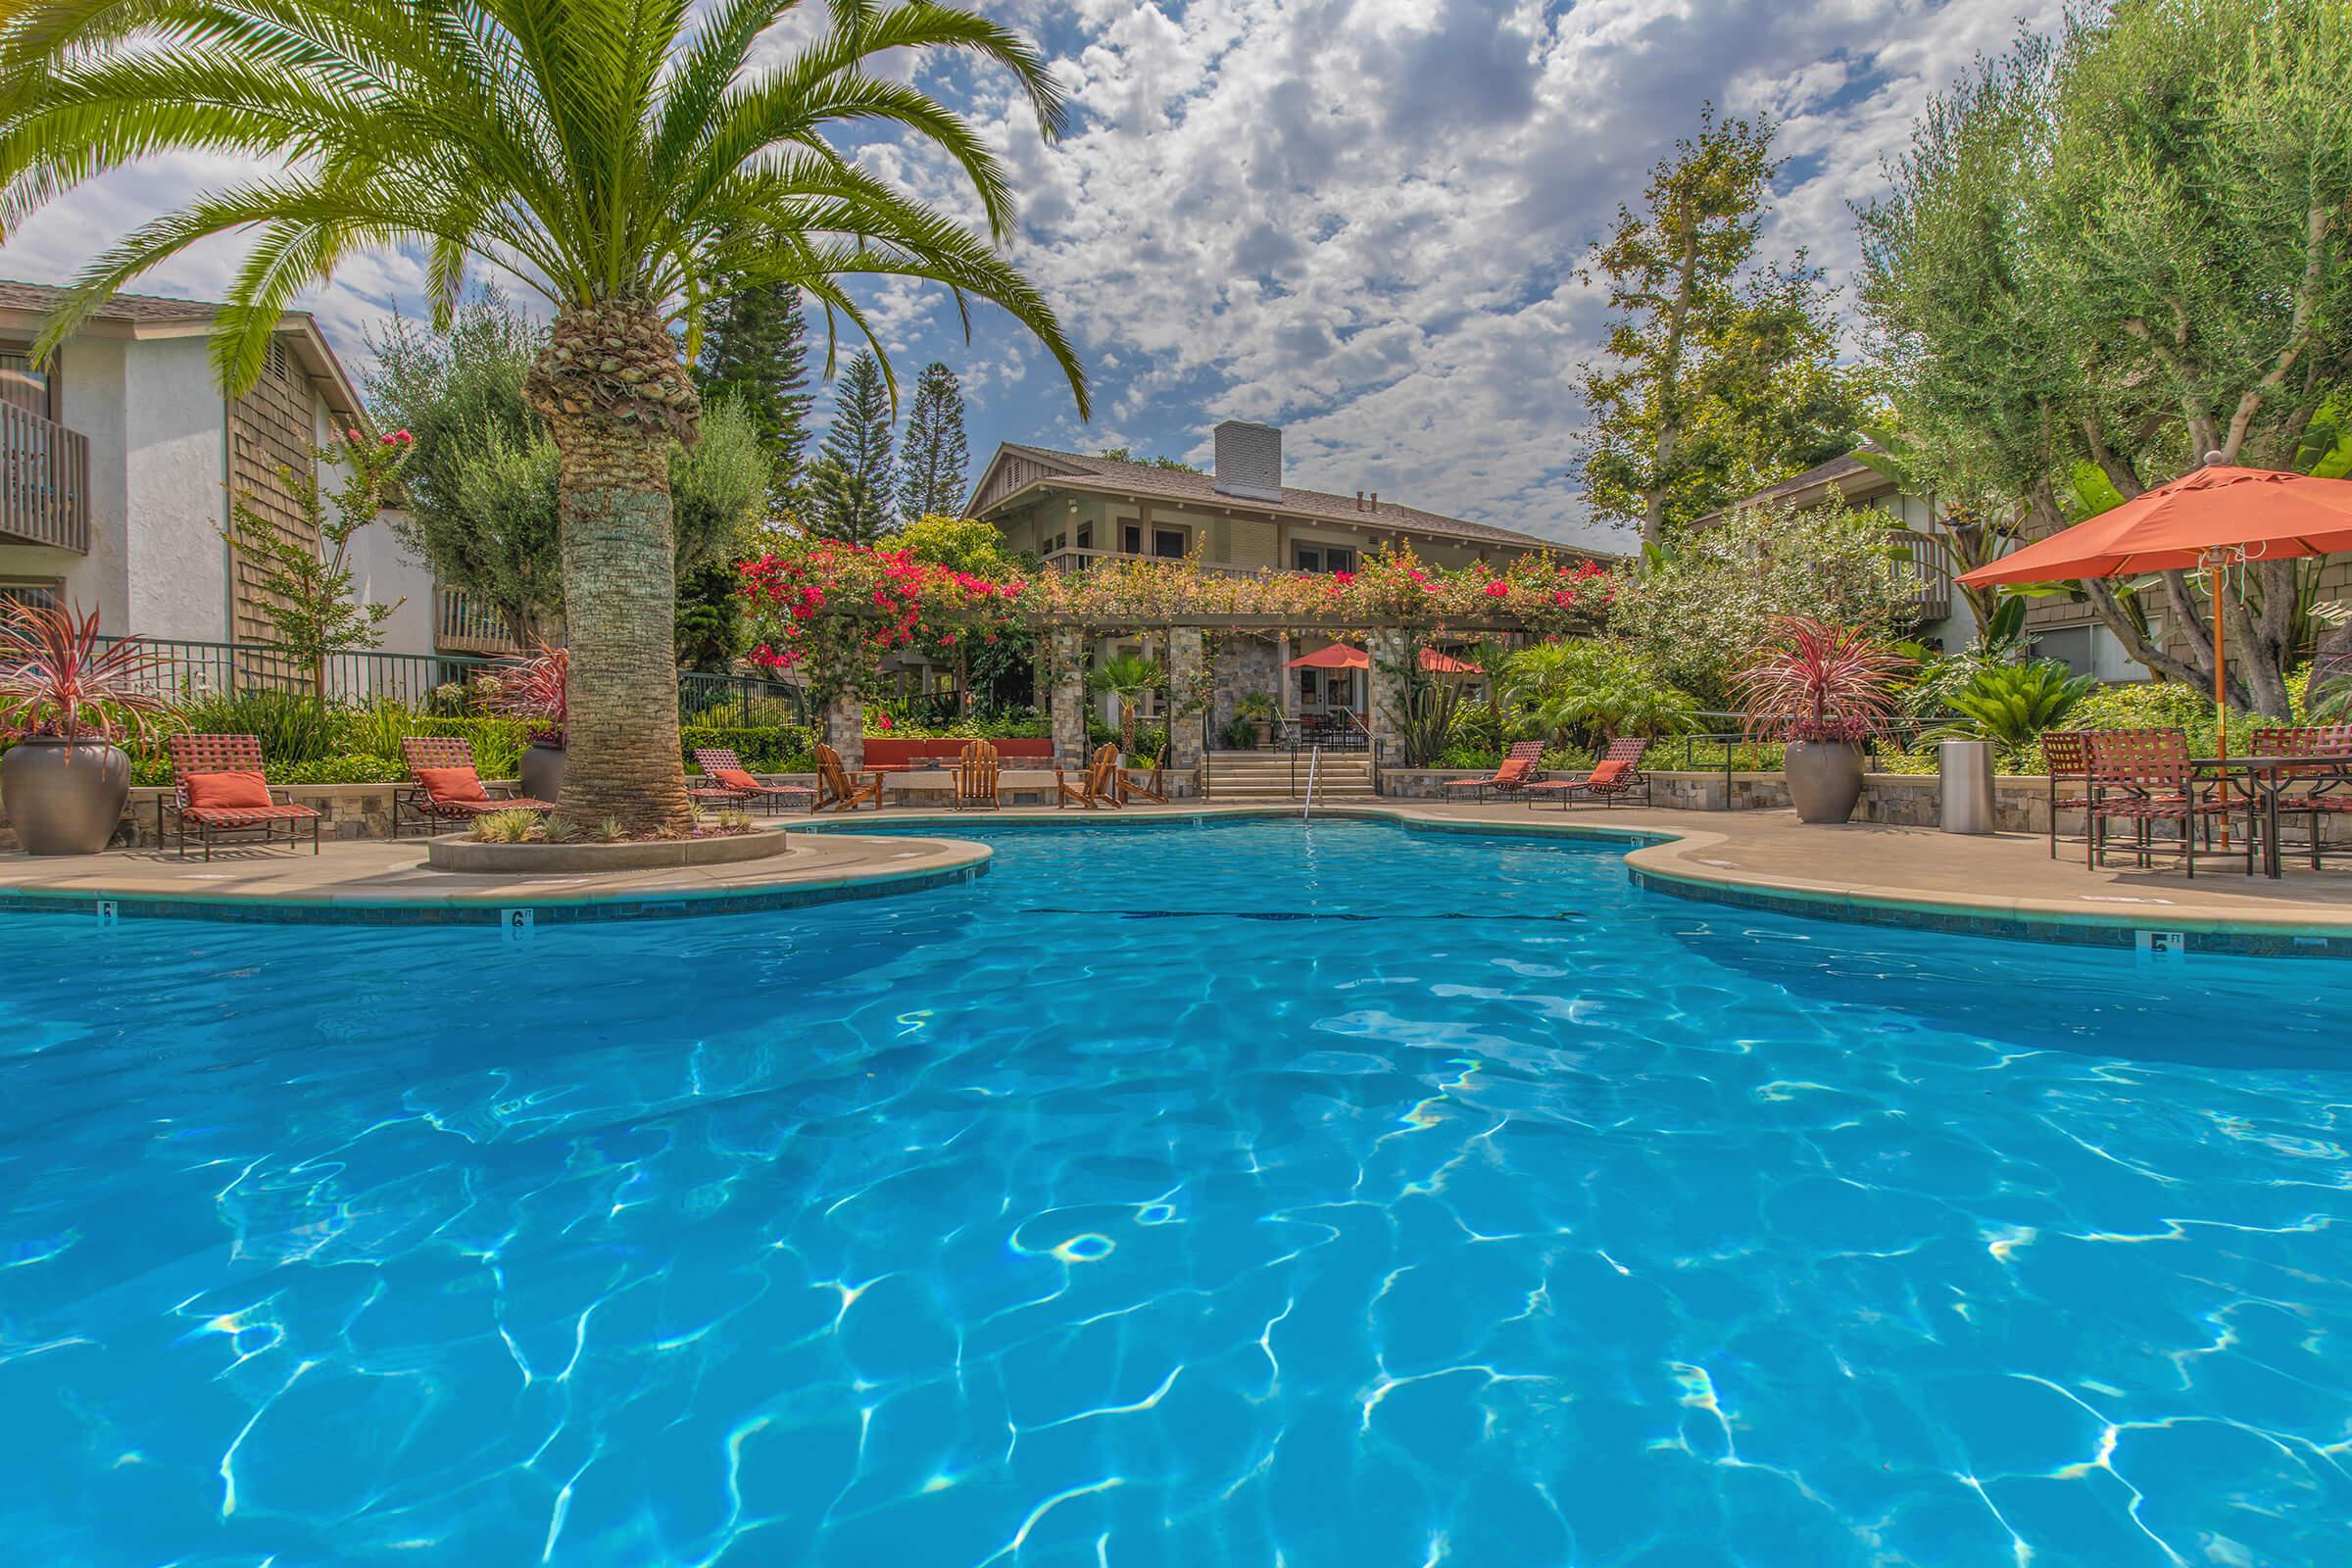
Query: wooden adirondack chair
x: 1149, y: 783
x: 841, y: 789
x: 1099, y: 786
x: 976, y: 777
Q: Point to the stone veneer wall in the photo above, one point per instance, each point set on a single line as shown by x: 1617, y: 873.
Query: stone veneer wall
x: 345, y: 811
x: 1244, y: 664
x: 845, y: 731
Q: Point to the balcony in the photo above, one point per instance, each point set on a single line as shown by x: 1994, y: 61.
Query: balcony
x: 464, y: 624
x: 44, y: 482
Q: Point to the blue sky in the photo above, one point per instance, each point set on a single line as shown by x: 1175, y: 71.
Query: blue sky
x: 1359, y: 219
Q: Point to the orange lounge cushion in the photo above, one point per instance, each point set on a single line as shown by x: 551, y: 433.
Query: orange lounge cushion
x: 240, y: 791
x: 1513, y: 770
x: 735, y: 778
x: 1608, y: 772
x: 452, y: 783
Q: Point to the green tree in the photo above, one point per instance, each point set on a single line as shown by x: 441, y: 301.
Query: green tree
x: 1721, y: 374
x: 1128, y: 455
x: 481, y: 485
x: 933, y: 458
x: 480, y: 482
x: 2106, y: 257
x: 756, y: 350
x: 1706, y: 600
x: 850, y: 491
x: 1128, y: 678
x: 306, y: 583
x: 624, y: 158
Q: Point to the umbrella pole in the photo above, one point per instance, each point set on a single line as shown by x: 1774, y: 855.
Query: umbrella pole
x: 2220, y: 695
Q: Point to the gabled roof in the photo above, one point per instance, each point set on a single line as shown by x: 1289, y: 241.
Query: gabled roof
x: 22, y: 306
x: 1078, y: 471
x: 1848, y: 474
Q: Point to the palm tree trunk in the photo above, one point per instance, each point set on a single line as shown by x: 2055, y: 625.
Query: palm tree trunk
x: 615, y: 397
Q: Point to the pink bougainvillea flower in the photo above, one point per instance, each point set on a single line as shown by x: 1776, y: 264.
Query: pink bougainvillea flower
x: 1497, y: 589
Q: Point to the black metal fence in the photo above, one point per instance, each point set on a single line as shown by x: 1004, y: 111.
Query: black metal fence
x: 191, y: 668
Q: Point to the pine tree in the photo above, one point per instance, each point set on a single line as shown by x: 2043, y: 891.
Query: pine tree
x: 754, y: 348
x: 1722, y: 375
x: 933, y: 460
x: 850, y: 489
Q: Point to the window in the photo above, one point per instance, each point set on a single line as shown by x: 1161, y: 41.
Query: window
x: 1309, y: 558
x: 1323, y: 557
x: 1086, y: 538
x: 1310, y: 687
x: 1167, y: 543
x: 2071, y: 646
x: 1338, y: 558
x: 40, y: 594
x: 1131, y: 539
x: 23, y: 387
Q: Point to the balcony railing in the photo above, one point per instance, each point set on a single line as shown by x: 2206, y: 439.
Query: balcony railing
x: 1076, y: 561
x: 1925, y: 566
x: 464, y: 624
x: 44, y: 481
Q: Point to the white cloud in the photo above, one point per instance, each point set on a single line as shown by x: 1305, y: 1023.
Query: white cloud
x: 1354, y: 217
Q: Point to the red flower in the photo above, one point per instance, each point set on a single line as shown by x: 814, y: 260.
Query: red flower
x: 883, y: 723
x: 1497, y: 589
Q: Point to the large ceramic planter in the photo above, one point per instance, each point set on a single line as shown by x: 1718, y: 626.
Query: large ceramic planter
x: 540, y: 773
x: 1825, y: 779
x: 64, y: 797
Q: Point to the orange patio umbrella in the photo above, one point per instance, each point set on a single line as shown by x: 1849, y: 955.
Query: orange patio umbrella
x: 2209, y: 520
x: 1340, y: 655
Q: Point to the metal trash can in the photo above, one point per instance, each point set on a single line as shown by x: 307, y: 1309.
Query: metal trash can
x: 1965, y: 769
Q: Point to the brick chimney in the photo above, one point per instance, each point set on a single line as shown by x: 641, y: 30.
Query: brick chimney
x: 1248, y: 460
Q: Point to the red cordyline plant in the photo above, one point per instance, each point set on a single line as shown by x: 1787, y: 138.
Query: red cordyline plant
x: 55, y: 681
x: 534, y: 689
x: 1819, y: 682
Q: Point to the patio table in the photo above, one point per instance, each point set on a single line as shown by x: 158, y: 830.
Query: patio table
x: 2262, y: 780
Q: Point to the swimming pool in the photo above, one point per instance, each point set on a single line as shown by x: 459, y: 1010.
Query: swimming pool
x: 1450, y: 1201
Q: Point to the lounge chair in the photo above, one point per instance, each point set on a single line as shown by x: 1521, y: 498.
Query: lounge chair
x: 443, y: 786
x: 837, y: 787
x: 727, y: 782
x: 2142, y: 776
x: 1147, y: 783
x: 1517, y: 772
x: 1614, y: 777
x: 976, y: 777
x: 1098, y: 786
x: 218, y: 788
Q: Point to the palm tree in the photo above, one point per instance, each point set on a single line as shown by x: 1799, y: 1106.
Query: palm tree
x: 1130, y: 679
x: 605, y: 154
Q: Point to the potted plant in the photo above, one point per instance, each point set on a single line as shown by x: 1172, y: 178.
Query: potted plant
x: 533, y: 690
x: 66, y: 702
x: 1822, y: 690
x: 1258, y: 711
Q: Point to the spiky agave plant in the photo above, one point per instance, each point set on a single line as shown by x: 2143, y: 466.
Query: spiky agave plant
x: 1819, y: 682
x: 535, y: 690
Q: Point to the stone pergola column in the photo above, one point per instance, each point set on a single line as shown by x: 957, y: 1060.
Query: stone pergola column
x: 1382, y: 689
x: 1286, y: 683
x: 1069, y: 699
x: 1188, y: 657
x: 844, y: 729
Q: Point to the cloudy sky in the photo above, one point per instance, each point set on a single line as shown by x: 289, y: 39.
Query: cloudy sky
x: 1358, y: 219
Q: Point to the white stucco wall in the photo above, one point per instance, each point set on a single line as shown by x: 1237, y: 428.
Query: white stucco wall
x: 384, y: 571
x: 174, y: 449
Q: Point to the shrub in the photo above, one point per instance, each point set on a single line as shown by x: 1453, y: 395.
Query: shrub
x: 350, y: 769
x: 291, y: 727
x: 2012, y: 703
x: 764, y: 748
x: 505, y: 827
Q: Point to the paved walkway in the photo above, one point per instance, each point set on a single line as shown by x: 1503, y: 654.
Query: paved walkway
x: 382, y: 879
x: 1862, y: 871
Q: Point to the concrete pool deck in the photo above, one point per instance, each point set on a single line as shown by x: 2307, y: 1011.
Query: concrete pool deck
x: 1998, y: 885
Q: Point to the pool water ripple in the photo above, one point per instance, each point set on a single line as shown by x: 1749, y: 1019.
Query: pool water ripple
x: 1478, y: 1210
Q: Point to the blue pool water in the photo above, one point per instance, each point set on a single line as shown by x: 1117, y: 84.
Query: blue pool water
x: 1452, y: 1202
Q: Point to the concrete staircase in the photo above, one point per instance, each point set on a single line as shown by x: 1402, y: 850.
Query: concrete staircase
x: 1249, y: 778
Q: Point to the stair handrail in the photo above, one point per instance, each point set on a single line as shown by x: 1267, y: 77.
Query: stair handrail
x: 1313, y: 758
